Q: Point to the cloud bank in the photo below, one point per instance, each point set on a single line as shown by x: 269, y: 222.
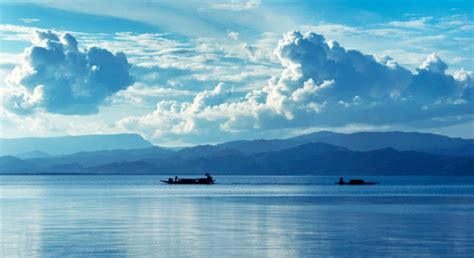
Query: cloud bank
x: 57, y: 77
x: 321, y: 84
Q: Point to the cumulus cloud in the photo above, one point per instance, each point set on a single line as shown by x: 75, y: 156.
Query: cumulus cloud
x: 233, y: 35
x: 321, y: 84
x: 57, y: 77
x: 434, y: 64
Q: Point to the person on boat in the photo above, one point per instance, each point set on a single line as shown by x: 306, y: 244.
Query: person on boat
x: 176, y: 178
x: 341, y: 180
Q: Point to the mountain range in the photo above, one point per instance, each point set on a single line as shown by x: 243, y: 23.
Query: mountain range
x: 70, y: 144
x: 320, y: 153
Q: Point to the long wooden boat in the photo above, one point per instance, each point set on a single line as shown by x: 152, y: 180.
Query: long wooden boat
x: 190, y: 181
x: 355, y: 182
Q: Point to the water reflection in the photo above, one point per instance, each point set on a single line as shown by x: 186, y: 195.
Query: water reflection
x: 58, y: 217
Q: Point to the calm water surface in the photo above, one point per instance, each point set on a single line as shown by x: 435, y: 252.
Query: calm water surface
x: 271, y: 216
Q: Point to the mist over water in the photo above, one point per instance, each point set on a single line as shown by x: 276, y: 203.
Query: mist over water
x: 255, y: 216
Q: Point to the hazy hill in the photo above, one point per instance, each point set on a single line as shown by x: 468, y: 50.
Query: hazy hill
x: 364, y: 141
x: 13, y: 165
x: 377, y: 153
x: 324, y: 159
x: 96, y: 158
x: 197, y: 151
x: 71, y: 144
x: 33, y: 155
x: 311, y: 158
x: 257, y: 146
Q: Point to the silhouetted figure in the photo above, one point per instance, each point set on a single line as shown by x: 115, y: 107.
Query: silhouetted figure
x: 341, y: 181
x: 176, y: 178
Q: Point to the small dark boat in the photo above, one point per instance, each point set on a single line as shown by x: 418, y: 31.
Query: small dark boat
x: 355, y: 182
x: 190, y: 181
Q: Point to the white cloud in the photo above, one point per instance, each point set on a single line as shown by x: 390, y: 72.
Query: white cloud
x: 233, y: 35
x: 47, y: 124
x: 173, y: 71
x: 434, y: 64
x: 29, y: 20
x: 441, y: 34
x: 236, y: 5
x: 57, y: 77
x: 322, y: 84
x: 332, y: 29
x: 17, y: 33
x: 193, y: 18
x: 10, y: 59
x: 415, y: 24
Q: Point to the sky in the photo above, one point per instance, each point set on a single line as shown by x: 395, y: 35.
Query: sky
x: 197, y: 72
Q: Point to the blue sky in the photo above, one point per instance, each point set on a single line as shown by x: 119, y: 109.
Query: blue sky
x: 192, y: 72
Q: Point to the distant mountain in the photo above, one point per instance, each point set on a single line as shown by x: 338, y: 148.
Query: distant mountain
x: 321, y: 153
x: 402, y: 141
x: 386, y: 161
x: 258, y: 146
x: 310, y: 158
x: 198, y: 151
x: 465, y: 150
x: 33, y: 155
x: 14, y: 165
x: 103, y: 157
x: 197, y: 159
x: 364, y: 141
x: 71, y: 144
x: 323, y: 159
x: 133, y: 167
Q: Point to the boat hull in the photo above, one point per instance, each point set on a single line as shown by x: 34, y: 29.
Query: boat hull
x: 198, y: 181
x: 366, y: 183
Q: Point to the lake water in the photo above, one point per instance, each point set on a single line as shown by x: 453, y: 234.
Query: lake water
x: 268, y: 216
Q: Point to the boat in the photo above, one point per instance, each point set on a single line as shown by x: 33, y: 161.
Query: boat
x: 190, y: 181
x: 355, y: 182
